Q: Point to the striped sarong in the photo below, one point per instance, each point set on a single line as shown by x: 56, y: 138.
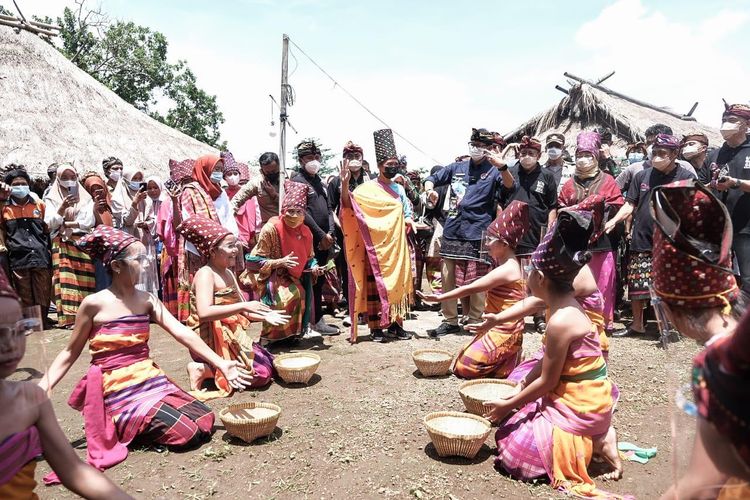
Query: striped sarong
x: 73, y: 279
x: 17, y: 464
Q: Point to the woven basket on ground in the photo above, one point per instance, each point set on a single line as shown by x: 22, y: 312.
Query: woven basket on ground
x: 432, y: 362
x: 457, y: 434
x: 245, y: 425
x: 296, y: 367
x: 475, y: 393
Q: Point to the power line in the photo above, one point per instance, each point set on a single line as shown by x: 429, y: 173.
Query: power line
x: 361, y: 104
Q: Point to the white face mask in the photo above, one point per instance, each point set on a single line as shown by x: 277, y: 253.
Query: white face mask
x: 554, y: 153
x: 660, y: 162
x: 528, y: 162
x: 232, y: 179
x: 477, y: 154
x: 115, y: 175
x: 312, y: 167
x: 68, y: 184
x: 729, y: 129
x: 691, y: 151
x: 355, y: 165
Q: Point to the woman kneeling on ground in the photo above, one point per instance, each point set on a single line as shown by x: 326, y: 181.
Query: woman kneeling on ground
x: 495, y: 352
x: 124, y: 394
x: 28, y: 426
x: 219, y: 313
x: 565, y: 407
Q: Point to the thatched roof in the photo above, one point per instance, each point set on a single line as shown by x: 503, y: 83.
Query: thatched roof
x: 53, y: 112
x: 588, y: 106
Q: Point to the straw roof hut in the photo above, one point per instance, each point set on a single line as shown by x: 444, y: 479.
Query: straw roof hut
x: 53, y: 112
x: 589, y: 105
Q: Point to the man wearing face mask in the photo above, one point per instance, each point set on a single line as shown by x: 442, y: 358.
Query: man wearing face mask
x: 112, y: 171
x: 319, y: 219
x: 694, y: 149
x: 732, y: 164
x: 471, y: 199
x: 536, y: 187
x: 25, y: 237
x: 664, y: 170
x: 265, y: 188
x: 562, y: 170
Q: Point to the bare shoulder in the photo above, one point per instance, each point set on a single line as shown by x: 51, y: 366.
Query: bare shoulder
x: 569, y: 322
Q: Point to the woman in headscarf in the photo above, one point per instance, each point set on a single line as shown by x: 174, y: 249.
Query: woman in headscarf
x: 97, y: 188
x: 565, y: 403
x: 589, y: 180
x: 133, y: 211
x: 201, y: 195
x: 69, y: 215
x: 124, y: 394
x: 281, y: 265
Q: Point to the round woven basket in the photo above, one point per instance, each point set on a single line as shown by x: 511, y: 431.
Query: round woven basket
x: 457, y: 434
x: 475, y: 393
x: 432, y: 362
x: 296, y: 367
x: 244, y: 425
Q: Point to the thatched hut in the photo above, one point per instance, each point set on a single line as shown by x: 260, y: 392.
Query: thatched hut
x: 53, y: 112
x: 588, y: 105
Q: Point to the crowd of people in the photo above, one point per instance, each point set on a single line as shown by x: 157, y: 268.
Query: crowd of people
x: 498, y: 235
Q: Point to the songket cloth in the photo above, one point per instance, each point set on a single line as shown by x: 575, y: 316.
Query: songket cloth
x: 18, y: 453
x: 639, y: 276
x: 73, y: 279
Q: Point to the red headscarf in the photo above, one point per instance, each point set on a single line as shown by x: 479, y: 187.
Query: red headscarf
x: 202, y: 174
x: 103, y: 215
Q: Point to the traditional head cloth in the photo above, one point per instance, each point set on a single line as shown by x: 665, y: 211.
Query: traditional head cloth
x: 588, y: 142
x: 108, y: 163
x: 350, y: 147
x: 92, y: 180
x: 385, y: 147
x: 244, y: 172
x: 202, y: 169
x: 739, y: 110
x: 511, y: 224
x: 5, y: 289
x: 695, y: 136
x: 179, y: 171
x: 105, y: 243
x: 295, y: 196
x: 530, y: 142
x: 305, y: 148
x: 721, y: 385
x: 482, y: 135
x: 562, y: 252
x: 692, y: 256
x: 596, y: 204
x: 230, y: 165
x: 667, y: 141
x: 202, y: 232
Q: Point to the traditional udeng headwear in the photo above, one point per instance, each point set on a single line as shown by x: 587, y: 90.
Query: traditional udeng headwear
x: 692, y: 256
x: 739, y: 110
x: 230, y: 165
x: 5, y: 289
x: 511, y: 224
x: 721, y: 385
x: 530, y: 142
x: 295, y: 196
x: 588, y: 142
x: 562, y: 252
x: 179, y: 171
x: 105, y: 243
x: 385, y: 146
x: 305, y: 148
x: 667, y: 141
x: 350, y: 147
x: 202, y: 232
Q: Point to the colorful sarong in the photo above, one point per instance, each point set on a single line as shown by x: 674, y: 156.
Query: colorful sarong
x: 73, y: 279
x: 497, y: 352
x: 17, y: 464
x: 603, y: 268
x: 639, y: 276
x: 375, y: 235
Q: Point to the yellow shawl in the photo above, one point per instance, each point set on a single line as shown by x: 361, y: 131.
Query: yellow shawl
x: 375, y: 241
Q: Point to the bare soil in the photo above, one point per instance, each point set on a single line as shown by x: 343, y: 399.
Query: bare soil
x: 356, y: 430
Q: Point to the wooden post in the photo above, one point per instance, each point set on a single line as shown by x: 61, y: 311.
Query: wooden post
x: 283, y: 116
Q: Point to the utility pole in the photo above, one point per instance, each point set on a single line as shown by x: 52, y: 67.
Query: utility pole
x: 283, y: 116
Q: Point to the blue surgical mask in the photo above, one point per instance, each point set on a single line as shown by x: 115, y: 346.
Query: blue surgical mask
x: 635, y: 157
x: 19, y: 191
x: 135, y: 186
x: 217, y: 177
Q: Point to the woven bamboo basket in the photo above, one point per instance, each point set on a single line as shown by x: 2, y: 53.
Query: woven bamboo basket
x: 475, y: 393
x: 296, y: 367
x: 249, y: 421
x: 457, y: 434
x: 432, y: 362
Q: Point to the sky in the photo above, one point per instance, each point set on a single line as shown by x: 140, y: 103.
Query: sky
x: 432, y: 70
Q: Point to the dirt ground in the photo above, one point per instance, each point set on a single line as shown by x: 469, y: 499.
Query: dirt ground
x: 356, y: 431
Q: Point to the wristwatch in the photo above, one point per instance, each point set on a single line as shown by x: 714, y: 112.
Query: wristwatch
x: 503, y: 168
x: 736, y: 184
